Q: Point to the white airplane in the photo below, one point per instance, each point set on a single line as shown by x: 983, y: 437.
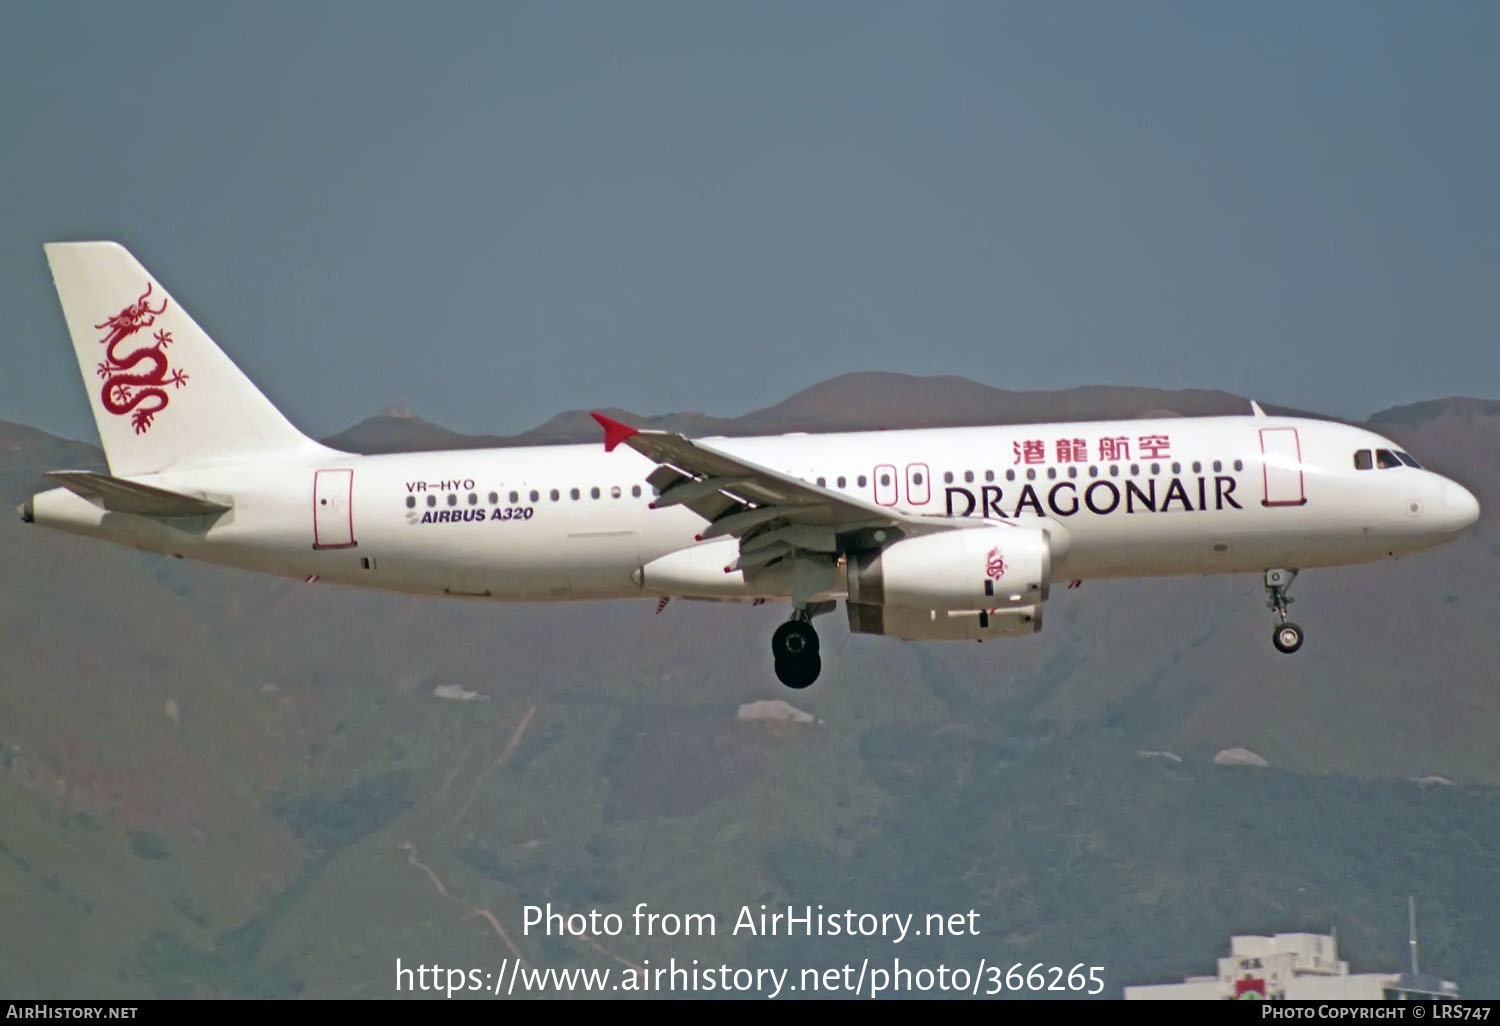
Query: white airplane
x: 942, y: 534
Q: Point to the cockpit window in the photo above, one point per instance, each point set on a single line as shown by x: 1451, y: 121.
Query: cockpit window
x: 1404, y: 458
x: 1362, y: 460
x: 1385, y: 459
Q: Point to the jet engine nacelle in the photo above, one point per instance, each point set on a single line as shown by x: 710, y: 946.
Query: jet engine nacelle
x: 968, y: 569
x: 943, y: 624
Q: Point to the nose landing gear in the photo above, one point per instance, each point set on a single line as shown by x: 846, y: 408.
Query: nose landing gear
x: 1286, y: 636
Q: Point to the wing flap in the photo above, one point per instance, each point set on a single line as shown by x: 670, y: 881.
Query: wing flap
x: 121, y: 496
x: 740, y: 498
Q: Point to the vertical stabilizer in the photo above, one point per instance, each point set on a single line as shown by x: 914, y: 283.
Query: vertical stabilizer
x: 163, y: 394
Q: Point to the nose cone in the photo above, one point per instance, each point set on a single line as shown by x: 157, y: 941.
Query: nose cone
x: 1460, y: 508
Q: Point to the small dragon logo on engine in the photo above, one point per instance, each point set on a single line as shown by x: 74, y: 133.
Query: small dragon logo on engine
x: 143, y: 394
x: 994, y: 564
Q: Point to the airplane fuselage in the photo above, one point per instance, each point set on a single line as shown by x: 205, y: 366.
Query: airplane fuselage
x: 1133, y: 498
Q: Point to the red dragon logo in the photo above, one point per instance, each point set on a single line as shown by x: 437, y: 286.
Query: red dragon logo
x: 994, y: 564
x: 142, y: 394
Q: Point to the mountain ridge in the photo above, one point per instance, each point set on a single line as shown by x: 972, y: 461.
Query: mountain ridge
x: 868, y: 400
x: 861, y: 400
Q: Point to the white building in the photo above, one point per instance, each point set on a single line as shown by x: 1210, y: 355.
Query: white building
x: 1294, y: 967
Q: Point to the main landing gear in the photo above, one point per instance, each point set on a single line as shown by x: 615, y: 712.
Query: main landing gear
x: 795, y: 647
x: 1287, y: 636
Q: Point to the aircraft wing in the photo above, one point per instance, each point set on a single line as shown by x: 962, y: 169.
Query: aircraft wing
x: 739, y: 498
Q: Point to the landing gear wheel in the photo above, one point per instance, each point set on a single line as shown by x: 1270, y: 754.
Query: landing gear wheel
x: 799, y: 672
x: 1287, y: 637
x: 794, y: 640
x: 795, y: 648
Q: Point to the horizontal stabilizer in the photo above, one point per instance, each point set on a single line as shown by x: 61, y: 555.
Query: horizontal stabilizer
x: 120, y: 496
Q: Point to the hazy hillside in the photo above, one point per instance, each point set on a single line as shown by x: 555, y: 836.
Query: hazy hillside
x: 850, y: 402
x: 213, y: 783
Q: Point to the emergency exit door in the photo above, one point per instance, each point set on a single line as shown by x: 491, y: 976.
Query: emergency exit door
x: 333, y: 509
x: 1281, y: 467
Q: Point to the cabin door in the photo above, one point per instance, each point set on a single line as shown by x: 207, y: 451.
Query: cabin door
x: 1281, y: 467
x: 333, y: 509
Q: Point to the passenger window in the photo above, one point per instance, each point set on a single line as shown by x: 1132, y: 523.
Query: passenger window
x: 494, y: 499
x: 822, y: 482
x: 594, y: 493
x: 635, y: 490
x: 843, y: 480
x: 885, y: 480
x: 1072, y: 470
x: 1010, y: 475
x: 989, y: 475
x: 535, y: 495
x: 515, y: 497
x: 411, y: 500
x: 1051, y: 473
x: 473, y: 499
x: 432, y: 500
x: 1218, y: 466
x: 453, y: 498
x: 863, y: 480
x: 553, y: 495
x: 1362, y: 460
x: 1239, y: 464
x: 614, y: 492
x: 947, y: 477
x: 1093, y: 470
x: 1197, y: 466
x: 1176, y: 468
x: 968, y: 477
x: 1031, y: 473
x: 1385, y: 459
x: 1404, y: 458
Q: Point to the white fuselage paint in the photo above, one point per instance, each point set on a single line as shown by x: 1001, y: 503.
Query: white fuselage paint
x: 1210, y: 522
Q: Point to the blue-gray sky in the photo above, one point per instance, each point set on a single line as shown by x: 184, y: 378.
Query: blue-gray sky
x: 495, y: 211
